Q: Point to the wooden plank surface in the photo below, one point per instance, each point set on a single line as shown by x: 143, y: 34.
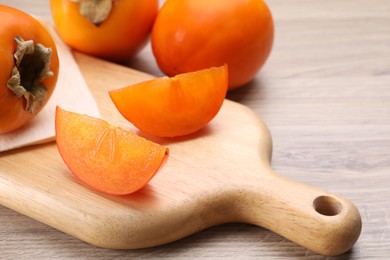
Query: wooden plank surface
x: 325, y: 96
x: 218, y: 175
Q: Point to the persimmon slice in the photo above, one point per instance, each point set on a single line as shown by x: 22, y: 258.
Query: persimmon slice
x: 168, y: 107
x: 104, y: 157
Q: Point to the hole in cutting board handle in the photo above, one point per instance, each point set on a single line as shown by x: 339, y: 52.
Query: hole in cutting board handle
x: 326, y: 205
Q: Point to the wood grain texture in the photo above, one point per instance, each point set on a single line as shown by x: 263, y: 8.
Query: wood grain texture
x: 218, y: 175
x: 324, y: 95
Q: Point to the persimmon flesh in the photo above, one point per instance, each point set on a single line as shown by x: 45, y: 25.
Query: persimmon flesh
x: 177, y: 106
x: 106, y: 158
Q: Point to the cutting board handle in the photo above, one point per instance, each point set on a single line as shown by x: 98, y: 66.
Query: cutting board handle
x: 325, y: 223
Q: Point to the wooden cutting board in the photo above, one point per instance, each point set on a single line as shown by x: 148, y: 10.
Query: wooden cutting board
x: 221, y: 174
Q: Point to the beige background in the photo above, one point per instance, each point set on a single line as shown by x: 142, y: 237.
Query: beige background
x: 325, y: 95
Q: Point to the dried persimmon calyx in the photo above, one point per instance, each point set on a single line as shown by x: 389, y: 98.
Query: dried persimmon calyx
x: 96, y: 11
x: 32, y: 65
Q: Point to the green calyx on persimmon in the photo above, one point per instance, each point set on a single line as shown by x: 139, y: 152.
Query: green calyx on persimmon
x: 96, y: 11
x: 32, y: 65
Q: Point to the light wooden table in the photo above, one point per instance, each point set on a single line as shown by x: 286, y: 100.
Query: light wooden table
x: 325, y: 95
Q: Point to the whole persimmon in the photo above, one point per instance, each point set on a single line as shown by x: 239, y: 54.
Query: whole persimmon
x: 191, y: 35
x: 29, y: 68
x: 111, y: 29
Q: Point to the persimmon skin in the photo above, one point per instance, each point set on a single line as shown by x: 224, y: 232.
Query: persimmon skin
x: 106, y: 158
x: 192, y: 35
x: 177, y: 106
x: 118, y: 38
x: 13, y: 114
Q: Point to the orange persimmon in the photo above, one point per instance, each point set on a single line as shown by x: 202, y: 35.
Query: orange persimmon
x: 169, y: 107
x: 104, y: 157
x: 193, y: 35
x: 29, y: 68
x: 114, y: 30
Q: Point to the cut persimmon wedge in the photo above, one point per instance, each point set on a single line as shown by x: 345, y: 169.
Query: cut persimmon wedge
x: 169, y: 107
x: 106, y: 158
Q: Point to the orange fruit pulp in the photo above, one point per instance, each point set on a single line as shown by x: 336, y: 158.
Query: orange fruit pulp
x: 177, y: 106
x: 104, y: 157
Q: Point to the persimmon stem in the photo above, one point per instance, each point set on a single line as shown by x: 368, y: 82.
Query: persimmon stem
x: 96, y: 11
x: 32, y: 65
